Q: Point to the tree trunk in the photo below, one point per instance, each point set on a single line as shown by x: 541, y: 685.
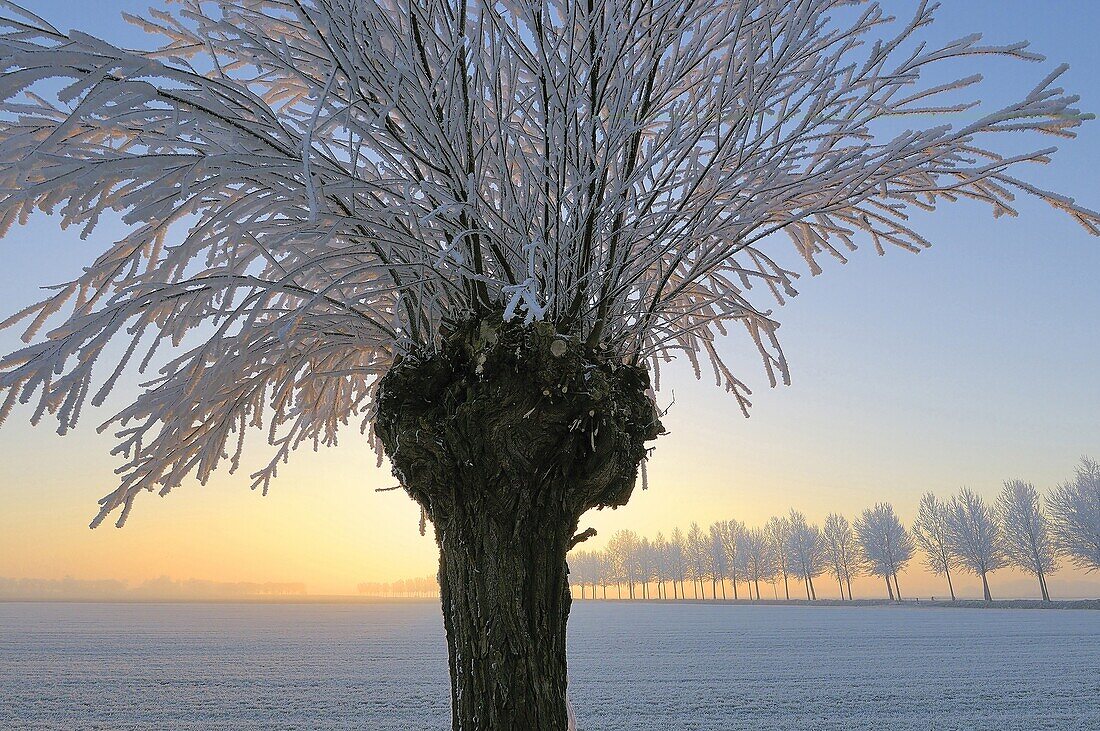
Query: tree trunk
x: 1043, y: 586
x: 813, y: 592
x: 848, y: 579
x: 950, y: 586
x: 505, y: 435
x: 985, y: 587
x: 898, y: 588
x: 786, y: 587
x: 889, y: 588
x: 505, y: 606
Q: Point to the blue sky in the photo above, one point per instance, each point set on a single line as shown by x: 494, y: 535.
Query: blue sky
x: 968, y: 364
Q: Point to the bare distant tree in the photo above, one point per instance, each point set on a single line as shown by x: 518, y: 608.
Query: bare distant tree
x: 698, y: 559
x: 930, y: 533
x: 647, y: 565
x: 885, y: 545
x: 606, y: 565
x: 806, y: 551
x: 1028, y: 542
x: 778, y: 530
x: 1075, y: 516
x: 975, y: 537
x: 719, y: 559
x: 589, y: 568
x: 759, y: 556
x: 733, y: 533
x: 467, y: 227
x: 656, y: 565
x: 606, y: 570
x: 580, y: 569
x: 663, y: 570
x: 598, y: 568
x: 677, y: 552
x: 842, y: 550
x: 623, y: 547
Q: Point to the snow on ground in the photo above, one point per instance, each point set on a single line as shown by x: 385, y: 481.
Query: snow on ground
x: 634, y: 666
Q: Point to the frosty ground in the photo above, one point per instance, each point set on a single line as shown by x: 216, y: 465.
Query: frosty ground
x: 633, y: 666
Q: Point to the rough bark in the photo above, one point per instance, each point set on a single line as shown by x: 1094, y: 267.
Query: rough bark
x: 505, y: 435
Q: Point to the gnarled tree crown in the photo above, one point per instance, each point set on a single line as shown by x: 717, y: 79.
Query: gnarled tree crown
x: 314, y: 189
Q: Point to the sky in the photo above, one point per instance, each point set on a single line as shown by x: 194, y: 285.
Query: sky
x: 969, y: 364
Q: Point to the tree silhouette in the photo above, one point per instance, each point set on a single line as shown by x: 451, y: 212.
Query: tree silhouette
x: 475, y: 230
x: 760, y: 562
x: 885, y: 545
x: 806, y: 551
x: 930, y: 531
x: 778, y: 530
x: 975, y: 537
x: 732, y: 533
x: 842, y: 550
x: 720, y: 567
x: 1028, y: 542
x: 1075, y: 516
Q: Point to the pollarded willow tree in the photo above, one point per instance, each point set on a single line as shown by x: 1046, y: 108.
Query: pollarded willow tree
x: 473, y: 230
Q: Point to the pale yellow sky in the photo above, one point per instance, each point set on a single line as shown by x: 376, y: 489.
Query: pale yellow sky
x: 324, y: 524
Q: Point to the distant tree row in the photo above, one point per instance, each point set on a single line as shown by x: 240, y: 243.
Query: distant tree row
x: 423, y: 586
x: 159, y: 589
x: 1019, y: 529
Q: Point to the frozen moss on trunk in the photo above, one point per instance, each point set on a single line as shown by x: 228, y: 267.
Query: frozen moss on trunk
x: 505, y: 435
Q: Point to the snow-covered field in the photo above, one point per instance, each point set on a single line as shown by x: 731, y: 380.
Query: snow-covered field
x: 641, y: 666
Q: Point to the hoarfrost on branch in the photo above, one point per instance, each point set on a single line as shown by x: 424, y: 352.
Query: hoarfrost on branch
x: 313, y: 187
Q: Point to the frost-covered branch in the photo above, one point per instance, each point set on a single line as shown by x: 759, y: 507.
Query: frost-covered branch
x: 312, y: 188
